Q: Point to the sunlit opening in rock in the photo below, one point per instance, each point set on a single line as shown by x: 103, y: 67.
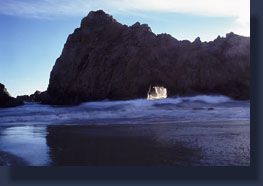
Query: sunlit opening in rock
x: 156, y: 92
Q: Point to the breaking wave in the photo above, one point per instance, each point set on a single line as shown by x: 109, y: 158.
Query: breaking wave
x: 138, y: 111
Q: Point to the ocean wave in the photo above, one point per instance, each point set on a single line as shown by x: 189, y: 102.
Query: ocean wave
x: 199, y: 108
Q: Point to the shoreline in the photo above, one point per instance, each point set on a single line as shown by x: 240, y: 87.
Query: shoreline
x: 218, y: 143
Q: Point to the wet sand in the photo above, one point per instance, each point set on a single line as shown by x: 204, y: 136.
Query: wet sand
x: 224, y: 143
x: 119, y: 145
x: 7, y: 159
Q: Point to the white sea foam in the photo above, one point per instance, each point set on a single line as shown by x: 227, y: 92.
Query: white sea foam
x: 157, y: 93
x: 209, y: 99
x: 131, y: 111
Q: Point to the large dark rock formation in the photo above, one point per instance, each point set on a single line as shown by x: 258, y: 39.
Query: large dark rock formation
x: 105, y: 59
x: 6, y: 100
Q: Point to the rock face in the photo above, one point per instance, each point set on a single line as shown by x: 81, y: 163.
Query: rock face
x: 6, y: 100
x: 105, y: 59
x: 36, y: 97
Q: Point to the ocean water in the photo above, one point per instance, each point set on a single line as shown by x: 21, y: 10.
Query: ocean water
x: 138, y: 111
x: 25, y: 130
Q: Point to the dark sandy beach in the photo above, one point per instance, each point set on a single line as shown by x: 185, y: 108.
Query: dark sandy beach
x: 225, y: 143
x: 116, y: 145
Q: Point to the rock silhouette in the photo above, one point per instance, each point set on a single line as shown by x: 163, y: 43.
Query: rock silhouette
x: 6, y: 100
x: 36, y: 97
x: 105, y: 59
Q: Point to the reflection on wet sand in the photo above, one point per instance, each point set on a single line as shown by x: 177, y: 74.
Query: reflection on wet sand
x: 24, y: 145
x: 115, y: 145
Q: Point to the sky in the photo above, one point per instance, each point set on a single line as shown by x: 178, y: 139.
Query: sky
x: 33, y: 33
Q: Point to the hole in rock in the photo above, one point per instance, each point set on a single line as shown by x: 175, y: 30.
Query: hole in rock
x: 157, y: 92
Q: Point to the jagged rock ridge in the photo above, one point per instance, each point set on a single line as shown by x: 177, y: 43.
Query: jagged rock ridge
x: 36, y: 97
x: 105, y: 59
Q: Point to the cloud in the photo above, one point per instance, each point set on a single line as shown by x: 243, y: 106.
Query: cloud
x: 239, y: 9
x: 45, y: 8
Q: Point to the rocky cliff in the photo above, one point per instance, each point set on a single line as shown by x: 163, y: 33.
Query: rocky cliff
x: 105, y: 59
x: 6, y: 100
